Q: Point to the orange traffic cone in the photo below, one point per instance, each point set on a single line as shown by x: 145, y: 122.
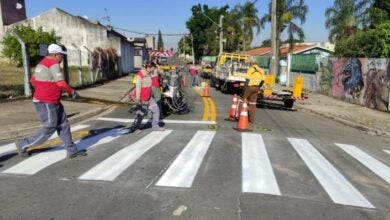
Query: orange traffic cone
x: 233, y: 109
x: 243, y: 122
x: 206, y: 91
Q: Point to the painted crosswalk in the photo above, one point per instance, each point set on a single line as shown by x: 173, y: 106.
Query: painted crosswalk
x: 110, y: 168
x: 11, y: 148
x: 43, y: 160
x: 334, y: 183
x: 180, y: 171
x: 257, y: 173
x: 183, y: 170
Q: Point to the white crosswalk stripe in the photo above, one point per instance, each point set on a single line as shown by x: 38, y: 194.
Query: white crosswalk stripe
x: 11, y: 148
x: 387, y: 151
x: 371, y: 163
x: 110, y: 168
x: 183, y: 170
x: 334, y: 183
x: 42, y: 160
x: 257, y: 173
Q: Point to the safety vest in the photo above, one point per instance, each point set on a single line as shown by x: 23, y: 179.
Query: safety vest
x: 146, y: 87
x: 255, y: 75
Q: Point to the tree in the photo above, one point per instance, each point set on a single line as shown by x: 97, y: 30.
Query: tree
x: 248, y: 20
x: 204, y: 31
x: 370, y: 43
x: 12, y: 49
x: 344, y: 17
x: 378, y: 13
x: 160, y: 42
x: 287, y: 12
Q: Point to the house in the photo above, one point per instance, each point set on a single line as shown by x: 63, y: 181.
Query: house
x: 11, y: 11
x: 303, y: 60
x: 79, y: 34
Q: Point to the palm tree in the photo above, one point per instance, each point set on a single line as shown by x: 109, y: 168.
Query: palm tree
x: 287, y: 12
x: 344, y: 17
x: 249, y: 20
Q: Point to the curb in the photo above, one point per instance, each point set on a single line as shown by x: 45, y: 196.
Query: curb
x: 367, y: 129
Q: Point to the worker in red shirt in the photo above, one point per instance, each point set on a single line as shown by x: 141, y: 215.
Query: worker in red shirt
x: 193, y: 71
x: 49, y: 83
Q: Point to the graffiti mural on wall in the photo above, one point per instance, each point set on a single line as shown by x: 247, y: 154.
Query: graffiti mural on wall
x: 377, y: 81
x: 359, y: 80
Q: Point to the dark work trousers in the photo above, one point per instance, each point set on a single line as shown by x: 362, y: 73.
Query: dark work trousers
x: 250, y: 94
x: 156, y: 92
x: 141, y: 112
x: 194, y: 80
x: 53, y: 118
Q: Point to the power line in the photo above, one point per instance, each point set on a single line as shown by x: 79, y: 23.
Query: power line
x: 153, y: 34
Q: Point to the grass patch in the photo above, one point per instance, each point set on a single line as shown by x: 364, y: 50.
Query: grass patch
x: 11, y: 80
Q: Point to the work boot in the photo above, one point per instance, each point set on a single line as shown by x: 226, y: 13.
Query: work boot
x: 158, y: 128
x: 80, y: 153
x: 21, y: 151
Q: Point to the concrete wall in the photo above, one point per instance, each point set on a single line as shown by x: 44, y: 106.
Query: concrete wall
x: 75, y: 30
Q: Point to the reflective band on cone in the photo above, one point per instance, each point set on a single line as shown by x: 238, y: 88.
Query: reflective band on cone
x: 233, y: 110
x: 243, y: 122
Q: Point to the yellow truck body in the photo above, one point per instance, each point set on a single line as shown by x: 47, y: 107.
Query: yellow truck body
x: 230, y: 71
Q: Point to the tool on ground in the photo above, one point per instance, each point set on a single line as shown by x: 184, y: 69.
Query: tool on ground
x: 97, y: 101
x: 243, y: 122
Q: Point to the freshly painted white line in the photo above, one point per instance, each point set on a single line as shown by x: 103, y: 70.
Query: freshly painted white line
x: 113, y: 166
x: 335, y: 184
x: 257, y: 173
x: 379, y: 168
x: 42, y: 160
x: 182, y: 171
x: 387, y: 151
x: 11, y: 148
x: 166, y: 121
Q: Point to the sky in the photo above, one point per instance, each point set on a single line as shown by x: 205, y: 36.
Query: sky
x: 170, y: 16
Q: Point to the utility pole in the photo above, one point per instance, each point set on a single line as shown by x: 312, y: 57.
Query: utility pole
x: 220, y: 35
x: 107, y: 17
x: 193, y: 52
x: 220, y: 30
x: 274, y: 61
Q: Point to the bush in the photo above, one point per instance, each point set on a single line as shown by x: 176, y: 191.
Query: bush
x: 371, y: 43
x: 12, y: 49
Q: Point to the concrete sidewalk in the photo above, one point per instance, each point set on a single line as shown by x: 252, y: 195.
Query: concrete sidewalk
x: 18, y: 118
x: 366, y: 119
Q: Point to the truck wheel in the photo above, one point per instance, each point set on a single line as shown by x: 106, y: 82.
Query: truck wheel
x: 289, y: 103
x: 217, y: 84
x: 212, y: 84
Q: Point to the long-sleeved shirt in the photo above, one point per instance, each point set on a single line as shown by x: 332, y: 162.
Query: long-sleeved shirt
x: 49, y: 82
x: 255, y: 74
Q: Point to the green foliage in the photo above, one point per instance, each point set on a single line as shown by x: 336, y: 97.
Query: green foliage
x: 326, y: 78
x: 373, y: 43
x: 12, y: 49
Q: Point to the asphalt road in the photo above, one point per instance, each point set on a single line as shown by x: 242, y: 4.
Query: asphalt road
x: 294, y: 165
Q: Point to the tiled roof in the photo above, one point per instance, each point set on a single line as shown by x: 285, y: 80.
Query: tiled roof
x: 283, y: 50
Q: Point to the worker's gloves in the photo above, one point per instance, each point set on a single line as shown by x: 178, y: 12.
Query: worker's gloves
x: 75, y: 95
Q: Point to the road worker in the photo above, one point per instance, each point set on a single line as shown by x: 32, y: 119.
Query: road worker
x: 254, y: 76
